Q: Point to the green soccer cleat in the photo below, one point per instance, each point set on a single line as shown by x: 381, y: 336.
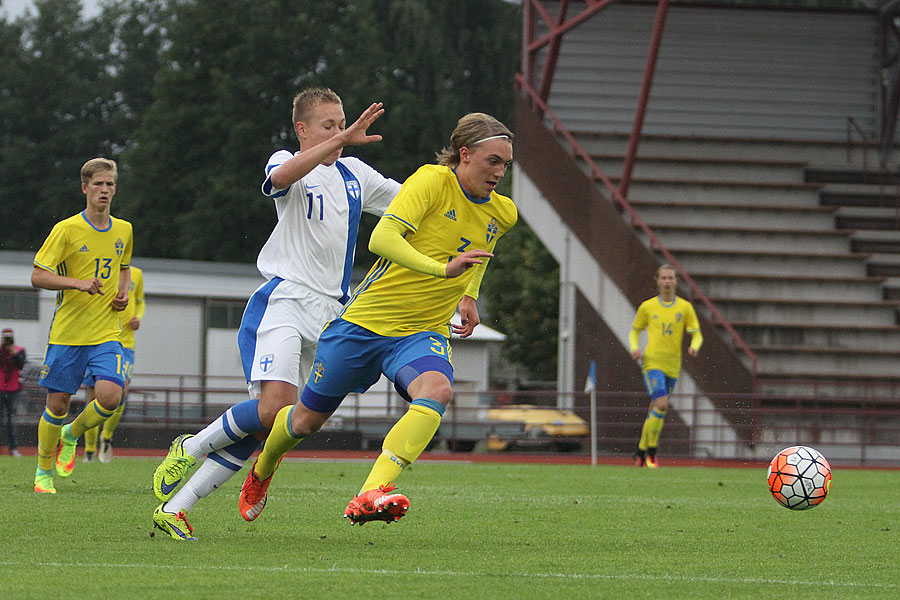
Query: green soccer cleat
x: 65, y: 452
x: 43, y: 483
x: 170, y: 472
x: 175, y: 524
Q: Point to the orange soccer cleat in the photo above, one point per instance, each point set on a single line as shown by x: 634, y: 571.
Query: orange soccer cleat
x: 253, y: 495
x: 377, y: 505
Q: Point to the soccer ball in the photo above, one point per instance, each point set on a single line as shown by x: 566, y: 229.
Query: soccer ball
x: 799, y: 477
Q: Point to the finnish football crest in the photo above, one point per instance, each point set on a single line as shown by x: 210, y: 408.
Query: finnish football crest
x: 353, y: 189
x: 492, y: 229
x: 120, y: 247
x: 265, y: 362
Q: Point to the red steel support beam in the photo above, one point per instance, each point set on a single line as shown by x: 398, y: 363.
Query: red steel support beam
x: 649, y: 70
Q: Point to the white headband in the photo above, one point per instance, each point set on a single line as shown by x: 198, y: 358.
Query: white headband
x: 493, y: 137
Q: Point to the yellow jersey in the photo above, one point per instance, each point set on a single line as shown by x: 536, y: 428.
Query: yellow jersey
x: 440, y: 221
x: 75, y: 248
x: 665, y: 325
x: 135, y: 308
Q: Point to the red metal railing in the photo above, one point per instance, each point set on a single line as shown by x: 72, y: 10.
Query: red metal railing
x: 846, y: 428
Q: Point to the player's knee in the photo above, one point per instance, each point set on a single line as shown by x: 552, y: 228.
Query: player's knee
x: 661, y: 404
x: 303, y: 424
x: 274, y: 396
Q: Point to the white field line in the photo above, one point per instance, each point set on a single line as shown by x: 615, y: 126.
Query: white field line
x: 467, y: 574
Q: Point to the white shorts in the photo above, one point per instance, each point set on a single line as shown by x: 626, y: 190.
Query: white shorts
x: 279, y: 332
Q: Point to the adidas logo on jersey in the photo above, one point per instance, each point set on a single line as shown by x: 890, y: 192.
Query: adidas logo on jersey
x: 451, y: 214
x: 84, y: 249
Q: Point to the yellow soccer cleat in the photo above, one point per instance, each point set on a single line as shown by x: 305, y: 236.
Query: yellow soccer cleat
x: 65, y: 452
x: 43, y: 483
x: 175, y: 524
x: 170, y: 472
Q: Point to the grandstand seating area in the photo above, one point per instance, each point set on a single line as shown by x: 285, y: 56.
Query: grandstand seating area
x: 794, y: 242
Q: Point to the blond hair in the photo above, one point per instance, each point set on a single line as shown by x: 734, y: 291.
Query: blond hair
x: 308, y: 99
x: 96, y: 165
x: 471, y: 129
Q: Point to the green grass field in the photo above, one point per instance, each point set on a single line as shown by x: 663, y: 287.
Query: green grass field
x: 479, y: 531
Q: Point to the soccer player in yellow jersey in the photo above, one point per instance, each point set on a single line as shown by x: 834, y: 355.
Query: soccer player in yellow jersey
x: 86, y: 260
x: 666, y: 317
x: 130, y: 321
x: 435, y: 241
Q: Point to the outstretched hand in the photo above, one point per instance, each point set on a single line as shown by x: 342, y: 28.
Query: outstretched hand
x: 462, y: 262
x: 356, y: 135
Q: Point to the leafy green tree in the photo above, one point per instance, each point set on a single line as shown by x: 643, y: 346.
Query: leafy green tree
x: 54, y: 109
x: 521, y: 291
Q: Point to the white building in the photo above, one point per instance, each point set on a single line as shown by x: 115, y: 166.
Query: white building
x: 189, y: 332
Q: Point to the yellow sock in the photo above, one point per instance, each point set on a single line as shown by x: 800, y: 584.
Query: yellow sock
x: 654, y: 425
x: 109, y: 426
x: 92, y: 415
x: 49, y: 426
x: 406, y: 440
x: 280, y: 440
x: 90, y: 439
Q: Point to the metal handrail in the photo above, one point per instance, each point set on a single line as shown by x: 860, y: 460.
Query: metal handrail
x: 655, y: 244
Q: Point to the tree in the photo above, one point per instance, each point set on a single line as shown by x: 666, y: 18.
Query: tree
x: 521, y: 290
x: 55, y: 112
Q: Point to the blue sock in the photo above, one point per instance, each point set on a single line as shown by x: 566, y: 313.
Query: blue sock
x: 234, y: 425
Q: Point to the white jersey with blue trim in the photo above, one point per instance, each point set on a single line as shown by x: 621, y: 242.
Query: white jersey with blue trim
x: 318, y: 218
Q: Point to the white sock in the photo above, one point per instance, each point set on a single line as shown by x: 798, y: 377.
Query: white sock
x: 206, y: 479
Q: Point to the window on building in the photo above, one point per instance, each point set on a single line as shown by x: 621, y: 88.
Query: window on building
x: 19, y: 303
x: 225, y: 314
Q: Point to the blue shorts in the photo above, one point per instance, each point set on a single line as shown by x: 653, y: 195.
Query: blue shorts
x: 127, y: 368
x: 658, y: 383
x: 350, y: 358
x: 64, y: 366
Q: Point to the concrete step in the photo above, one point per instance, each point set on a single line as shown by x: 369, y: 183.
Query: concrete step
x: 810, y: 312
x: 891, y: 288
x: 710, y: 261
x: 876, y: 241
x: 853, y: 337
x: 747, y: 238
x: 883, y: 265
x: 863, y: 198
x: 725, y: 192
x: 729, y: 215
x: 853, y: 217
x: 812, y: 152
x: 703, y: 169
x: 800, y: 360
x: 843, y: 175
x: 791, y: 287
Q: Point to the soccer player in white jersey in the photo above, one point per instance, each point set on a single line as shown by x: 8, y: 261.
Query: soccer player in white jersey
x: 307, y: 262
x: 435, y: 241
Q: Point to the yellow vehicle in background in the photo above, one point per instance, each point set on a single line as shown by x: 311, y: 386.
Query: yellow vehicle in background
x: 562, y: 429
